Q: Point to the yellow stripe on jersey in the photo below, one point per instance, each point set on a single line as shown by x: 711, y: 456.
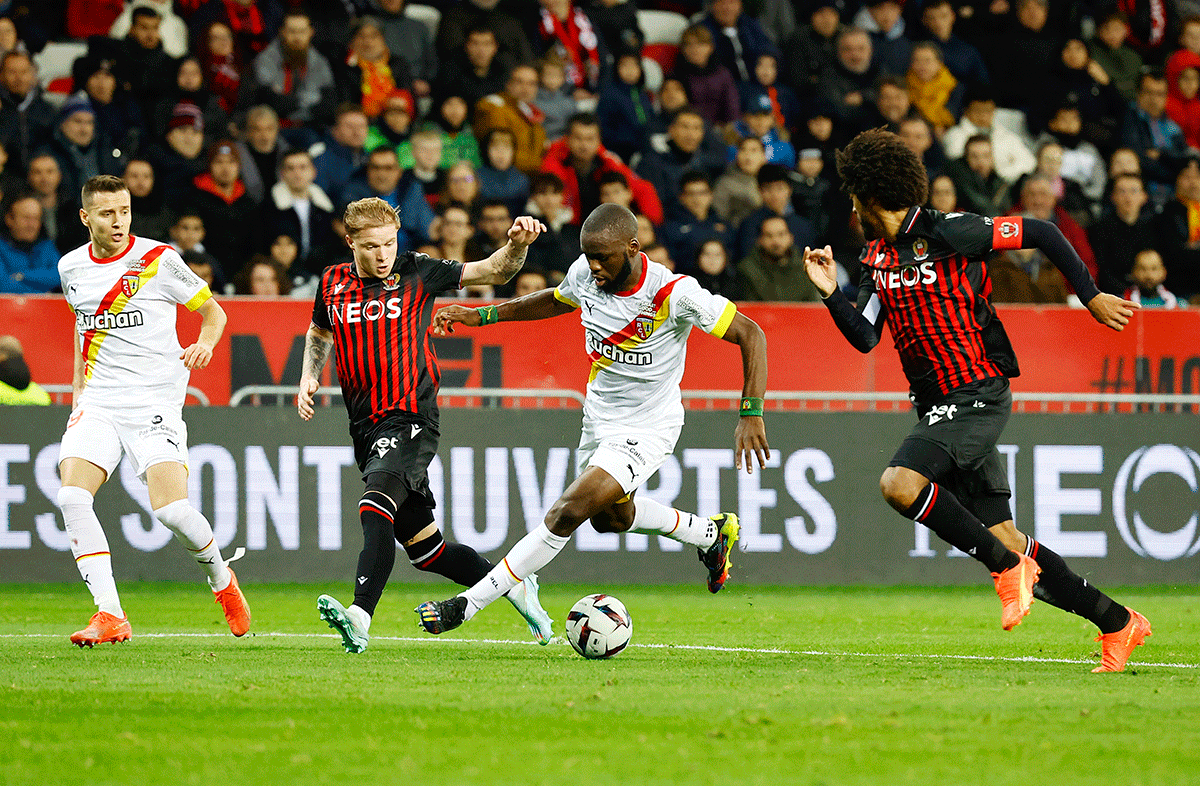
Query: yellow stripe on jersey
x: 560, y: 297
x: 725, y: 320
x: 199, y: 299
x: 118, y: 305
x: 633, y: 341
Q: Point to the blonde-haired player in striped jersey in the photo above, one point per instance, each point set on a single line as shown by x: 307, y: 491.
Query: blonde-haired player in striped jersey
x: 636, y: 316
x: 129, y: 383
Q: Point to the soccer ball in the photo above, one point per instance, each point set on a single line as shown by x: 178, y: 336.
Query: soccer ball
x: 599, y: 626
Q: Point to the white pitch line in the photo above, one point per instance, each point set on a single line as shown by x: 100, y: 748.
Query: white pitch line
x: 700, y: 647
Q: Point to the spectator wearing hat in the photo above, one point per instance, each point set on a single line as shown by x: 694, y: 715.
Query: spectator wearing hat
x: 219, y: 197
x: 28, y: 259
x: 711, y: 88
x: 371, y: 72
x: 759, y: 121
x: 172, y: 29
x: 680, y: 150
x: 394, y: 126
x: 261, y: 152
x: 150, y: 216
x: 79, y: 149
x: 343, y: 151
x: 118, y: 117
x: 812, y: 49
x: 188, y: 87
x: 26, y: 118
x: 738, y: 37
x: 513, y: 109
x: 408, y: 36
x: 293, y: 78
x: 179, y: 158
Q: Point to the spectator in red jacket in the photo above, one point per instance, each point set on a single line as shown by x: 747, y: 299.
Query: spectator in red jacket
x: 578, y: 159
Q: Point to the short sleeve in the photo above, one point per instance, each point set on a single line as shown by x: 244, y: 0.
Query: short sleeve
x: 693, y: 304
x: 320, y: 314
x: 180, y: 283
x: 972, y: 235
x: 567, y: 290
x: 438, y: 275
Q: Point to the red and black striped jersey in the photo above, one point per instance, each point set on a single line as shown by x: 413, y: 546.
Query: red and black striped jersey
x: 385, y: 358
x: 932, y: 287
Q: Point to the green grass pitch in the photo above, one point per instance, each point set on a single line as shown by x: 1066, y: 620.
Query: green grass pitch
x: 752, y: 686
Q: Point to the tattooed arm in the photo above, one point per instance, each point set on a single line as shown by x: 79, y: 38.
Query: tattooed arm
x: 507, y: 260
x: 317, y: 344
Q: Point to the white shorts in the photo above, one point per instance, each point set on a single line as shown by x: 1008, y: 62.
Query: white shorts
x: 148, y: 435
x: 630, y: 455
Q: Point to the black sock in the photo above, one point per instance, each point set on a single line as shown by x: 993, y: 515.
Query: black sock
x: 461, y: 564
x: 1060, y: 586
x: 939, y: 510
x: 378, y: 554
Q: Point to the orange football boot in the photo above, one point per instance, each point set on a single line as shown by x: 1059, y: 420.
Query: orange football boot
x: 1116, y: 647
x: 233, y: 602
x: 1015, y: 588
x: 107, y: 627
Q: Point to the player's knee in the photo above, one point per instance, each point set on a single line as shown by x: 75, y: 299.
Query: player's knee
x: 608, y: 522
x: 175, y: 514
x: 565, y: 516
x: 899, y: 491
x: 73, y: 495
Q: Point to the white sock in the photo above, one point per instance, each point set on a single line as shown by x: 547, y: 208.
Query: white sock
x: 654, y: 517
x: 360, y: 616
x: 194, y: 531
x: 90, y: 548
x: 530, y: 554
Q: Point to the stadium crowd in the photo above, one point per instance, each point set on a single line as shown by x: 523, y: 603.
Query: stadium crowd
x: 244, y: 127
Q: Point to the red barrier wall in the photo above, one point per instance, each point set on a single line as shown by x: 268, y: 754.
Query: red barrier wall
x: 1060, y: 350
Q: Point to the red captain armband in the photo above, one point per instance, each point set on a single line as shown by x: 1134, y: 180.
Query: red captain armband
x: 1007, y: 232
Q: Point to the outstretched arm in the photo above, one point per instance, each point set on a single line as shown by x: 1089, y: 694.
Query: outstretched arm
x: 861, y: 328
x: 508, y: 259
x: 1109, y: 310
x: 750, y: 436
x: 317, y: 344
x: 536, y: 305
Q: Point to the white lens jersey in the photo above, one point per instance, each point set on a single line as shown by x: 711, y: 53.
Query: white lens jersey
x: 125, y: 320
x: 637, y: 341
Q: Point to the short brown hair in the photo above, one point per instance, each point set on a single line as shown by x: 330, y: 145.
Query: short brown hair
x: 100, y: 184
x: 367, y: 214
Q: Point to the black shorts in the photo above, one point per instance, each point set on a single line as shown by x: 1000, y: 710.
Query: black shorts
x: 954, y: 441
x: 402, y: 445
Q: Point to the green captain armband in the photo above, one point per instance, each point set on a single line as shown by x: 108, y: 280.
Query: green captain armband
x: 751, y: 407
x: 488, y: 315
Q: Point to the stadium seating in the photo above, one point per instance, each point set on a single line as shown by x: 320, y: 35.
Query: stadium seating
x: 54, y: 68
x: 662, y: 27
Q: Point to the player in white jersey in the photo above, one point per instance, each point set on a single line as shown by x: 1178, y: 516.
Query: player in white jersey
x: 637, y: 316
x: 129, y: 383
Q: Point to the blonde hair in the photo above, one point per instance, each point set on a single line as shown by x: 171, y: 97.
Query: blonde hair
x: 367, y: 214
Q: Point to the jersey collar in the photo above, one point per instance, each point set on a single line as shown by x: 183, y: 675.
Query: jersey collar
x: 641, y: 280
x: 109, y: 260
x: 910, y: 221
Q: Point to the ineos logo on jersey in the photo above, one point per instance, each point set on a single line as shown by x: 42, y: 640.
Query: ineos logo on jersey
x: 370, y: 311
x: 1141, y: 537
x: 107, y: 320
x: 907, y: 276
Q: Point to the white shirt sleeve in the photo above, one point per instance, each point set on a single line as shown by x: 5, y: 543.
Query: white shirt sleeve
x: 568, y: 290
x: 180, y: 283
x: 693, y: 304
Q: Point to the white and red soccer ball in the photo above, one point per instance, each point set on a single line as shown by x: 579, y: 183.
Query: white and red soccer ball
x: 599, y: 626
